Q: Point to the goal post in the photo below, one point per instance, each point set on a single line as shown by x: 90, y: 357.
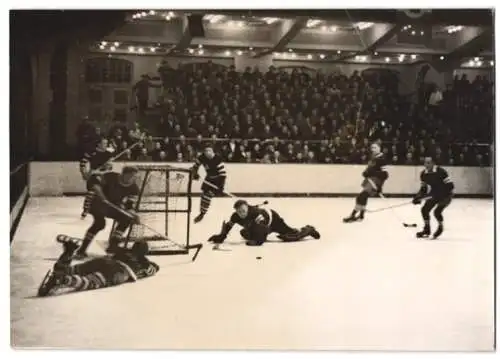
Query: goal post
x: 164, y: 208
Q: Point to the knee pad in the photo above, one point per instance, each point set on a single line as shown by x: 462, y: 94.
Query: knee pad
x: 98, y: 225
x: 362, y: 198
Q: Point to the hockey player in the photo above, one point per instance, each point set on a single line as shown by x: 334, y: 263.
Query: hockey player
x: 115, y: 196
x: 375, y: 176
x: 441, y: 192
x: 126, y: 265
x: 258, y: 223
x: 94, y: 162
x: 215, y: 179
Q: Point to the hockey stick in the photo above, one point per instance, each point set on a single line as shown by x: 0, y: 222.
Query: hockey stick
x: 119, y: 154
x: 229, y: 194
x: 393, y: 206
x: 407, y: 225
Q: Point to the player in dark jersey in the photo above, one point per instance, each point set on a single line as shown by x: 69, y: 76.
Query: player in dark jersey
x: 215, y: 179
x: 115, y: 196
x: 126, y: 265
x: 440, y: 194
x: 258, y: 223
x: 93, y: 163
x: 375, y: 176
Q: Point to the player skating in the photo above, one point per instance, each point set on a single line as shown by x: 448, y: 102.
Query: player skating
x: 375, y: 176
x: 94, y: 163
x: 126, y: 265
x: 258, y: 223
x: 215, y: 179
x: 115, y: 197
x: 440, y: 193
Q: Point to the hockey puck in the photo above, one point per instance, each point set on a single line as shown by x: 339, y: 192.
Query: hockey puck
x: 258, y: 257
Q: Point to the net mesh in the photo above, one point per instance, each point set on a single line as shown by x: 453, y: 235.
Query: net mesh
x: 163, y: 209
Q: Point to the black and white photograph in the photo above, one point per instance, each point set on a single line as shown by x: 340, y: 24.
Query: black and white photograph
x: 252, y: 179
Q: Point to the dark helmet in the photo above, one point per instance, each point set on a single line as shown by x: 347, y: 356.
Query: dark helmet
x: 140, y: 248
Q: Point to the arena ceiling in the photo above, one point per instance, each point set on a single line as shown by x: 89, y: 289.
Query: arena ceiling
x: 374, y: 36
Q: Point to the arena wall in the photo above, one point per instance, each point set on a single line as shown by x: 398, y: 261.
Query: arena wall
x: 63, y: 178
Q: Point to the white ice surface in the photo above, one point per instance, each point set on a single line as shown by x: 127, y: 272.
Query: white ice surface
x: 363, y: 286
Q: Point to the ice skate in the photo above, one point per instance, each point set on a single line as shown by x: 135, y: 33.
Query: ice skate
x: 438, y: 232
x: 425, y: 232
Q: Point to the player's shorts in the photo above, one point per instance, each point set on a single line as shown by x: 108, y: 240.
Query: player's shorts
x: 372, y: 185
x: 102, y: 210
x: 218, y: 182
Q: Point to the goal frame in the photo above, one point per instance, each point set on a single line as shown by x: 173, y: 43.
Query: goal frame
x: 167, y: 170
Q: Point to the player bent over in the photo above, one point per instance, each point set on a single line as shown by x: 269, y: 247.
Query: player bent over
x: 126, y: 265
x: 258, y: 223
x: 215, y: 179
x: 94, y: 163
x: 375, y: 176
x: 116, y: 195
x: 441, y: 193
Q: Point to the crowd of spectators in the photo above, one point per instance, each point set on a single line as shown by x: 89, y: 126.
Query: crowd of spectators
x: 303, y: 117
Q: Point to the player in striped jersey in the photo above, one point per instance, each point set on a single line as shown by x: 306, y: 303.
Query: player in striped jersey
x: 116, y: 196
x: 440, y: 194
x: 94, y: 163
x: 375, y: 176
x: 258, y: 223
x: 126, y: 265
x: 215, y: 179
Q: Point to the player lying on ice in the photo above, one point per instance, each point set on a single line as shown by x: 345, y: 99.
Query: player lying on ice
x: 258, y: 223
x: 126, y: 265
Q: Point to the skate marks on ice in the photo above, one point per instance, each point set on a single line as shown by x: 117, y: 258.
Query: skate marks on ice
x: 368, y: 285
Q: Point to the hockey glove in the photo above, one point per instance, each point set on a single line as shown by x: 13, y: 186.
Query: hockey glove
x: 417, y: 200
x: 217, y: 239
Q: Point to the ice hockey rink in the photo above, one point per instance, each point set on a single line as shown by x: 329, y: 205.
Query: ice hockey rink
x: 362, y: 286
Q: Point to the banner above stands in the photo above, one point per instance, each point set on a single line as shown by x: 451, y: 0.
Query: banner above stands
x: 63, y: 178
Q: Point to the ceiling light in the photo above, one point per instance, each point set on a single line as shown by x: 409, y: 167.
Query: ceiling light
x: 324, y: 27
x: 476, y: 58
x: 131, y: 49
x: 339, y: 52
x: 441, y: 58
x: 141, y: 50
x: 321, y: 56
x: 143, y: 13
x: 102, y: 47
x: 387, y: 59
x: 152, y: 49
x: 152, y: 12
x: 375, y: 53
x: 200, y: 46
x: 112, y: 48
x: 104, y: 43
x: 333, y: 28
x: 309, y: 57
x: 276, y: 54
x: 471, y: 63
x: 116, y: 43
x: 191, y: 51
x: 290, y: 50
x: 413, y: 57
x: 312, y: 23
x: 413, y: 32
x: 240, y: 23
x: 422, y: 33
x: 228, y: 52
x: 492, y: 62
x: 364, y: 25
x: 409, y: 26
x: 168, y: 18
x: 200, y: 52
x: 239, y: 52
x: 294, y: 55
x: 402, y: 56
x: 270, y: 20
x: 250, y: 48
x: 171, y: 13
x: 479, y: 63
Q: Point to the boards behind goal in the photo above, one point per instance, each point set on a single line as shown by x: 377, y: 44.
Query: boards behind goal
x: 164, y: 208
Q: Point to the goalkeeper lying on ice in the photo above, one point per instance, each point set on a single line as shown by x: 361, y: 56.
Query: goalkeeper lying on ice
x: 258, y: 223
x: 126, y: 265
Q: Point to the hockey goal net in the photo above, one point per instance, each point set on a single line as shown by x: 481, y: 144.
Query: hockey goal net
x: 164, y: 208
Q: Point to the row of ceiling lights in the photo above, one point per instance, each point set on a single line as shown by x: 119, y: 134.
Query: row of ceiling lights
x: 143, y: 14
x: 478, y: 62
x: 413, y: 31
